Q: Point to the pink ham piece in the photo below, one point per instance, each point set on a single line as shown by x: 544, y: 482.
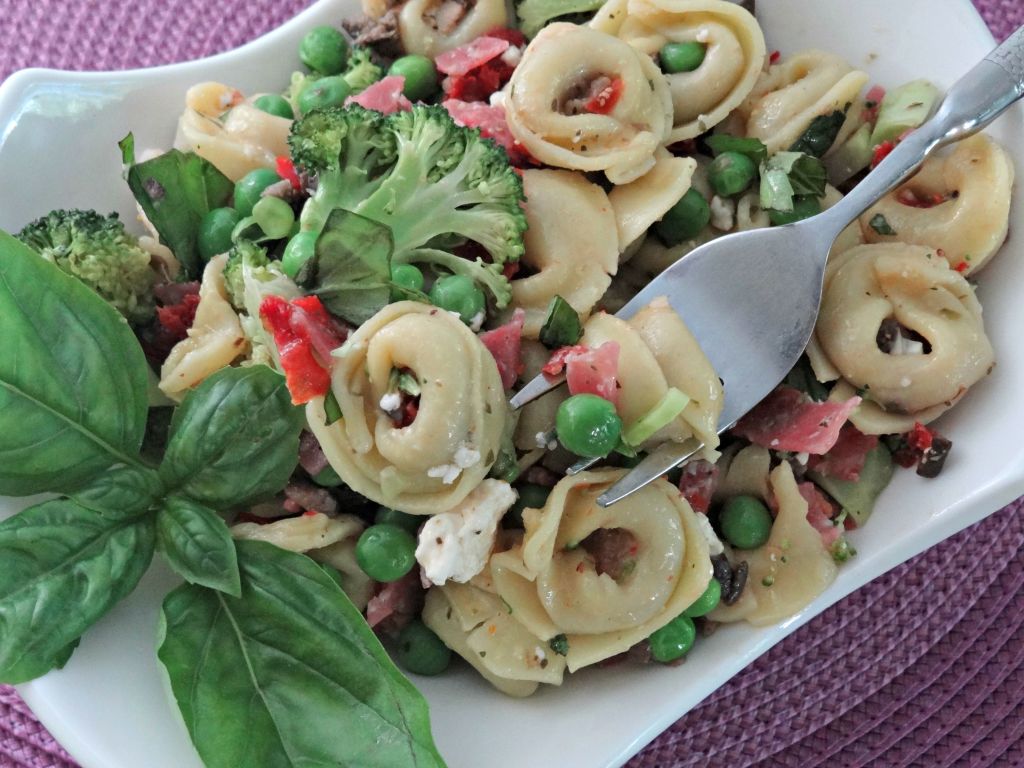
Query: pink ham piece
x: 697, y: 484
x: 384, y: 96
x: 845, y: 459
x: 787, y: 420
x: 468, y: 57
x: 396, y: 604
x: 819, y: 513
x: 595, y: 372
x: 505, y: 344
x: 490, y: 120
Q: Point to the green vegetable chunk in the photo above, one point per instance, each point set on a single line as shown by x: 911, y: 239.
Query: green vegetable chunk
x: 386, y: 552
x: 421, y: 651
x: 420, y: 76
x: 881, y: 225
x: 325, y: 92
x: 458, y: 293
x: 215, y: 231
x: 361, y: 72
x: 535, y: 14
x: 706, y: 602
x: 274, y: 104
x: 820, y: 134
x: 325, y: 50
x: 731, y: 173
x: 674, y: 640
x: 857, y: 497
x: 682, y: 57
x: 274, y: 216
x: 746, y: 522
x: 588, y: 425
x: 289, y: 674
x: 684, y: 220
x: 562, y: 326
x: 299, y: 250
x: 249, y: 189
x: 903, y: 109
x: 387, y: 516
x: 803, y: 208
x: 196, y: 543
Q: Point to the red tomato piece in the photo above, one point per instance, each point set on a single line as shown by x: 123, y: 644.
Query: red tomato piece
x: 505, y: 345
x: 304, y: 335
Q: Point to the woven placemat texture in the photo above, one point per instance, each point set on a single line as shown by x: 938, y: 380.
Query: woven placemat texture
x: 923, y: 667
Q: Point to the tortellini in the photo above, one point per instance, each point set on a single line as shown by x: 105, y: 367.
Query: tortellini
x: 433, y: 463
x: 241, y: 141
x: 641, y: 203
x: 607, y: 577
x: 734, y: 57
x: 563, y: 68
x: 974, y: 182
x: 431, y: 27
x: 907, y: 292
x: 571, y: 244
x: 214, y: 341
x: 790, y: 569
x: 793, y: 92
x: 657, y: 351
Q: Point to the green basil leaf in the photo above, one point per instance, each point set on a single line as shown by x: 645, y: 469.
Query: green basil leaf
x: 197, y: 545
x: 561, y: 327
x: 351, y: 268
x: 121, y: 491
x: 234, y: 439
x: 881, y: 225
x: 175, y: 190
x: 331, y: 408
x: 807, y: 176
x: 752, y: 148
x: 64, y: 566
x: 127, y: 147
x: 289, y: 674
x: 820, y: 134
x: 72, y: 378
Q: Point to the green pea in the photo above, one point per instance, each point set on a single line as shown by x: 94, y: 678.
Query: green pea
x: 803, y: 208
x: 682, y: 57
x: 672, y: 641
x: 421, y: 651
x: 327, y: 477
x: 274, y: 216
x: 214, y: 236
x: 405, y: 276
x: 386, y: 552
x: 458, y: 293
x: 325, y: 92
x: 387, y: 516
x: 325, y: 50
x: 299, y: 250
x: 249, y: 189
x: 420, y: 76
x: 746, y: 522
x: 530, y: 495
x: 731, y: 173
x: 684, y: 220
x: 273, y: 104
x: 588, y: 425
x: 706, y: 603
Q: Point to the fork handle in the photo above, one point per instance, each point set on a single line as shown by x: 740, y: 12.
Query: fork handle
x: 977, y: 98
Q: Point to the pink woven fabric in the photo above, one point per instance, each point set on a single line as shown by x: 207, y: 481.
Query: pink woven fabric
x: 923, y: 667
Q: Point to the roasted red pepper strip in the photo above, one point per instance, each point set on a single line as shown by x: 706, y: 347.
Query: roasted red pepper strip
x: 286, y: 170
x: 604, y: 101
x: 300, y: 329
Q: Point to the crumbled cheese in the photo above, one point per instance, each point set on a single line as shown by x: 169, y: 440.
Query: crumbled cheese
x: 497, y: 99
x: 714, y: 543
x: 904, y: 346
x: 391, y: 402
x: 454, y: 314
x: 703, y: 35
x: 723, y: 213
x: 546, y: 440
x: 448, y: 473
x: 512, y: 55
x: 802, y: 458
x: 476, y: 322
x: 466, y: 457
x: 455, y: 545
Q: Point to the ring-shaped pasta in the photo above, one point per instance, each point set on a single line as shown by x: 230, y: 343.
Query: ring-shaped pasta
x: 571, y: 243
x: 869, y: 285
x: 431, y: 27
x: 734, y: 56
x: 433, y: 463
x: 552, y: 584
x: 547, y: 96
x: 974, y: 182
x: 793, y: 92
x: 640, y: 203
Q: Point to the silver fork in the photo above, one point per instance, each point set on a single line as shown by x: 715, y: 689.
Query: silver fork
x: 751, y: 299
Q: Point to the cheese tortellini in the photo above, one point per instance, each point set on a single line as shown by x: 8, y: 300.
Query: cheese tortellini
x: 641, y: 203
x: 936, y: 346
x: 436, y: 461
x: 431, y: 27
x: 974, y: 182
x: 563, y: 69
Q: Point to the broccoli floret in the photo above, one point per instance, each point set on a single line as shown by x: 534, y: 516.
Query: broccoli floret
x: 97, y: 250
x: 361, y: 72
x: 534, y: 14
x: 243, y: 254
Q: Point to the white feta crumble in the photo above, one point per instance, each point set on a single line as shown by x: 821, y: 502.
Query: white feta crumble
x: 546, y: 440
x: 703, y: 35
x: 465, y: 456
x: 904, y: 346
x: 455, y: 545
x: 905, y: 381
x: 454, y: 314
x: 802, y: 458
x: 723, y: 213
x: 391, y: 402
x: 497, y: 99
x: 476, y: 322
x: 448, y: 473
x: 512, y: 55
x: 714, y: 543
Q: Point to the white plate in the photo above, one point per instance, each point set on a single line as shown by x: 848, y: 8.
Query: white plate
x: 108, y: 707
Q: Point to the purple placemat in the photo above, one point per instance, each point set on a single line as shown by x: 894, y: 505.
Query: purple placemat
x: 923, y: 667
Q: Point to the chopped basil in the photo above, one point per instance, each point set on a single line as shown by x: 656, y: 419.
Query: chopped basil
x: 407, y: 383
x: 331, y: 408
x: 561, y: 326
x: 790, y: 174
x: 752, y: 148
x: 559, y: 644
x: 881, y: 225
x: 821, y: 133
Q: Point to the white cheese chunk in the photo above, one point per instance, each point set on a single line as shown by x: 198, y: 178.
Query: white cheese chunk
x: 714, y: 543
x: 723, y: 213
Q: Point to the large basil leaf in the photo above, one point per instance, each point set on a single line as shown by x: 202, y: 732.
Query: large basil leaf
x: 290, y: 674
x: 197, y: 544
x: 234, y: 439
x: 175, y: 190
x: 121, y: 492
x: 72, y: 378
x: 64, y: 566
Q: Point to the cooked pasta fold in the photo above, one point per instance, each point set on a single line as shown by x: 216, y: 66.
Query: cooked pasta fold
x: 900, y: 326
x: 641, y: 203
x: 430, y: 27
x: 563, y: 70
x: 433, y: 463
x: 562, y: 580
x: 973, y: 183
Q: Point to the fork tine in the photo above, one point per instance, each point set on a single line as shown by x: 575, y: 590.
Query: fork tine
x: 650, y: 469
x: 539, y: 385
x: 581, y: 466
